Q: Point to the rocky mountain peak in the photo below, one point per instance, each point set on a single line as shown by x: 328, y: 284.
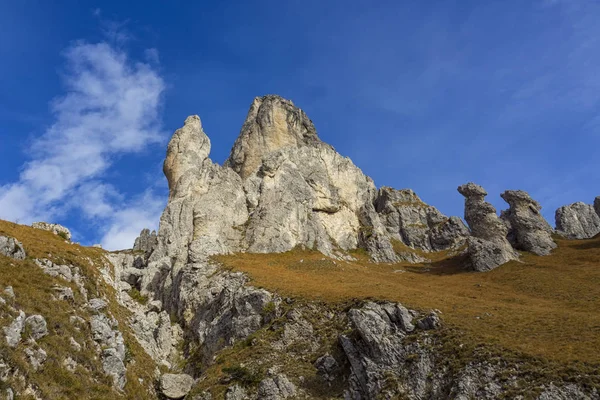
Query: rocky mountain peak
x: 272, y: 123
x: 187, y: 150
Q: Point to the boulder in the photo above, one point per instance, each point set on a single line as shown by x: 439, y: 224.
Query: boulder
x: 12, y: 248
x: 36, y: 357
x: 276, y: 388
x: 175, y: 386
x: 54, y: 228
x: 113, y: 366
x: 235, y: 392
x: 488, y: 247
x: 578, y: 220
x: 528, y: 230
x: 12, y: 332
x: 36, y: 326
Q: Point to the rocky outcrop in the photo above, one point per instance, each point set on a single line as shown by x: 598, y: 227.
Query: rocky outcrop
x: 12, y: 248
x: 272, y: 123
x: 146, y: 242
x: 578, y: 220
x: 54, y: 228
x: 488, y: 247
x: 527, y: 228
x: 409, y: 220
x: 175, y: 386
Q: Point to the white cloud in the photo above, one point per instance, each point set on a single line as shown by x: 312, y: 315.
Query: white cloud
x: 111, y: 108
x: 127, y: 222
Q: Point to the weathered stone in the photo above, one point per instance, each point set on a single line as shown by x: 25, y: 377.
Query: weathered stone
x: 175, y: 386
x: 97, y: 304
x: 272, y: 123
x: 13, y: 331
x: 112, y: 363
x: 54, y: 228
x: 327, y: 367
x: 276, y: 388
x: 488, y: 247
x: 236, y: 392
x: 528, y: 230
x: 578, y: 220
x: 432, y: 321
x: 9, y: 292
x: 36, y: 357
x: 62, y: 271
x: 12, y: 248
x: 36, y: 326
x: 64, y: 293
x: 409, y: 220
x: 146, y: 242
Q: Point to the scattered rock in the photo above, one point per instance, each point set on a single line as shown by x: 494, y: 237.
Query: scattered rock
x: 112, y: 363
x: 36, y: 357
x: 62, y: 271
x: 432, y: 321
x: 488, y: 247
x: 528, y: 230
x: 69, y: 364
x: 236, y: 392
x: 13, y: 331
x: 578, y: 220
x: 175, y: 386
x: 74, y: 345
x: 97, y: 304
x: 326, y: 367
x: 12, y: 248
x: 64, y: 293
x: 276, y: 388
x: 9, y: 292
x: 54, y: 228
x: 36, y: 326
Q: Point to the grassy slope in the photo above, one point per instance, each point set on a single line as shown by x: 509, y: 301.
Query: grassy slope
x: 33, y: 291
x: 544, y: 307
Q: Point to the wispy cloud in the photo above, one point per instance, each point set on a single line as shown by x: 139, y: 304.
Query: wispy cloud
x: 111, y: 108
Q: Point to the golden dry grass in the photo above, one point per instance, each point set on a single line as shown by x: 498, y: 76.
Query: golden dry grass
x: 547, y: 307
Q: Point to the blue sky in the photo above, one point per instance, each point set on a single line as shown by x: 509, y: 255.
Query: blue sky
x: 422, y: 95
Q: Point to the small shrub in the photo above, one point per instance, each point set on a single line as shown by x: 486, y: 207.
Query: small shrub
x: 137, y: 296
x: 243, y: 375
x: 63, y: 235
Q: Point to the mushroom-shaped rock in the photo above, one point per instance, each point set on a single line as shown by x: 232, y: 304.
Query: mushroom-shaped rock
x: 12, y: 248
x: 175, y: 386
x: 488, y: 246
x: 528, y: 230
x: 578, y: 220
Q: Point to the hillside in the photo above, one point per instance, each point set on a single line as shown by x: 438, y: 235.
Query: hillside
x: 286, y: 273
x: 545, y: 307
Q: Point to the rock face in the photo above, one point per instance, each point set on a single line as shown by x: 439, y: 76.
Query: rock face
x: 488, y: 246
x: 409, y: 220
x: 578, y: 220
x: 12, y: 248
x: 527, y: 229
x: 54, y: 228
x: 272, y: 123
x: 146, y: 242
